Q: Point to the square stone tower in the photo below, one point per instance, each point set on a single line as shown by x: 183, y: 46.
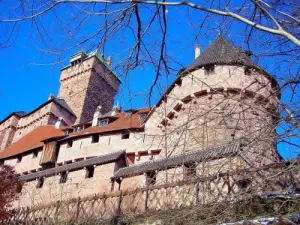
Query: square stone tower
x: 87, y: 83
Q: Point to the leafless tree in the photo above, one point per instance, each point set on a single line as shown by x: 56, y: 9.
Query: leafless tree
x: 146, y: 30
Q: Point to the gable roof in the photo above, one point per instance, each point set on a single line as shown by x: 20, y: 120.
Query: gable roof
x: 222, y: 52
x: 121, y: 122
x: 58, y: 101
x: 30, y: 141
x: 99, y: 160
x: 178, y: 160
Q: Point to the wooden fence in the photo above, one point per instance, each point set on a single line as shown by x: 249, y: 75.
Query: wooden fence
x: 188, y: 193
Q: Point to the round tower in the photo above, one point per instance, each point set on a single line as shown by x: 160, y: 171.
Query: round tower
x: 223, y: 97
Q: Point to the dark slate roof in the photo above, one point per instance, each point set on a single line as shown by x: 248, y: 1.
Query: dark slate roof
x: 63, y: 103
x: 108, y: 158
x: 173, y: 161
x: 222, y: 52
x: 59, y: 101
x: 18, y: 114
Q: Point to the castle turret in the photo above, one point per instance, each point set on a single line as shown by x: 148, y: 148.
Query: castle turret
x: 222, y: 97
x: 87, y: 83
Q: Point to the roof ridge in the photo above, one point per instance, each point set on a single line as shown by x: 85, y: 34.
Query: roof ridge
x: 234, y: 143
x: 222, y: 52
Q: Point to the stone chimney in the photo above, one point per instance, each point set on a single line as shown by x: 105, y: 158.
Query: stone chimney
x: 59, y: 123
x: 116, y: 109
x: 51, y: 96
x: 109, y: 61
x: 197, y: 51
x: 96, y: 116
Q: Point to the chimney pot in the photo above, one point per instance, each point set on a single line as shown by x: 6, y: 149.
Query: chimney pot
x: 51, y: 96
x: 59, y: 123
x: 197, y: 51
x: 109, y: 60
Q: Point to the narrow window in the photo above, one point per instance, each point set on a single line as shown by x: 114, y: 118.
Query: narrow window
x: 63, y: 177
x: 35, y: 154
x: 190, y: 170
x: 125, y: 136
x: 151, y: 178
x: 209, y: 69
x: 164, y: 122
x: 89, y: 172
x: 69, y: 143
x: 95, y: 138
x: 19, y: 188
x: 40, y: 182
x: 247, y: 71
x: 19, y: 159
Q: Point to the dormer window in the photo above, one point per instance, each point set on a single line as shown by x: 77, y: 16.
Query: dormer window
x: 209, y: 69
x: 128, y: 114
x: 103, y: 122
x: 142, y: 116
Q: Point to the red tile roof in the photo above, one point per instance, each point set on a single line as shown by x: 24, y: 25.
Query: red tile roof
x: 34, y: 139
x: 122, y: 122
x: 30, y: 141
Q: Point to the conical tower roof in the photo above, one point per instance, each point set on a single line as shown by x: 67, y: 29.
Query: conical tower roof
x: 222, y: 52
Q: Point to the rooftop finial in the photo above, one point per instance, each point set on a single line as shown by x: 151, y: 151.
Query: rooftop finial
x: 197, y: 51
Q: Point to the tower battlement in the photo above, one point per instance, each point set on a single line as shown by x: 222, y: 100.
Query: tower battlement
x: 87, y: 83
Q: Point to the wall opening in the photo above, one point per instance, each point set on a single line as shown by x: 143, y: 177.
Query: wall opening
x: 63, y: 177
x: 40, y: 182
x: 125, y: 135
x: 151, y: 178
x: 95, y: 138
x: 209, y: 69
x: 89, y: 172
x: 69, y: 143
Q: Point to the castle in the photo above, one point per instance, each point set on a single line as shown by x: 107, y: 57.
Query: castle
x: 219, y: 114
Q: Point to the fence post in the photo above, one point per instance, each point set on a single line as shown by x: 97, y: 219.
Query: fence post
x: 197, y: 192
x: 118, y: 213
x: 78, y: 208
x: 146, y: 199
x: 56, y: 212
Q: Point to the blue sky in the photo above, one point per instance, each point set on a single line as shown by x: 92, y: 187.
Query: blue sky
x: 30, y: 73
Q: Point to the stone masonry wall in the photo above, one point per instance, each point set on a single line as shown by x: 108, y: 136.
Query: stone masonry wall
x: 209, y: 110
x: 85, y: 86
x: 76, y: 186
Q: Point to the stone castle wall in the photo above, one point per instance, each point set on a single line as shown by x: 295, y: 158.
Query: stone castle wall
x: 77, y: 185
x: 200, y: 112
